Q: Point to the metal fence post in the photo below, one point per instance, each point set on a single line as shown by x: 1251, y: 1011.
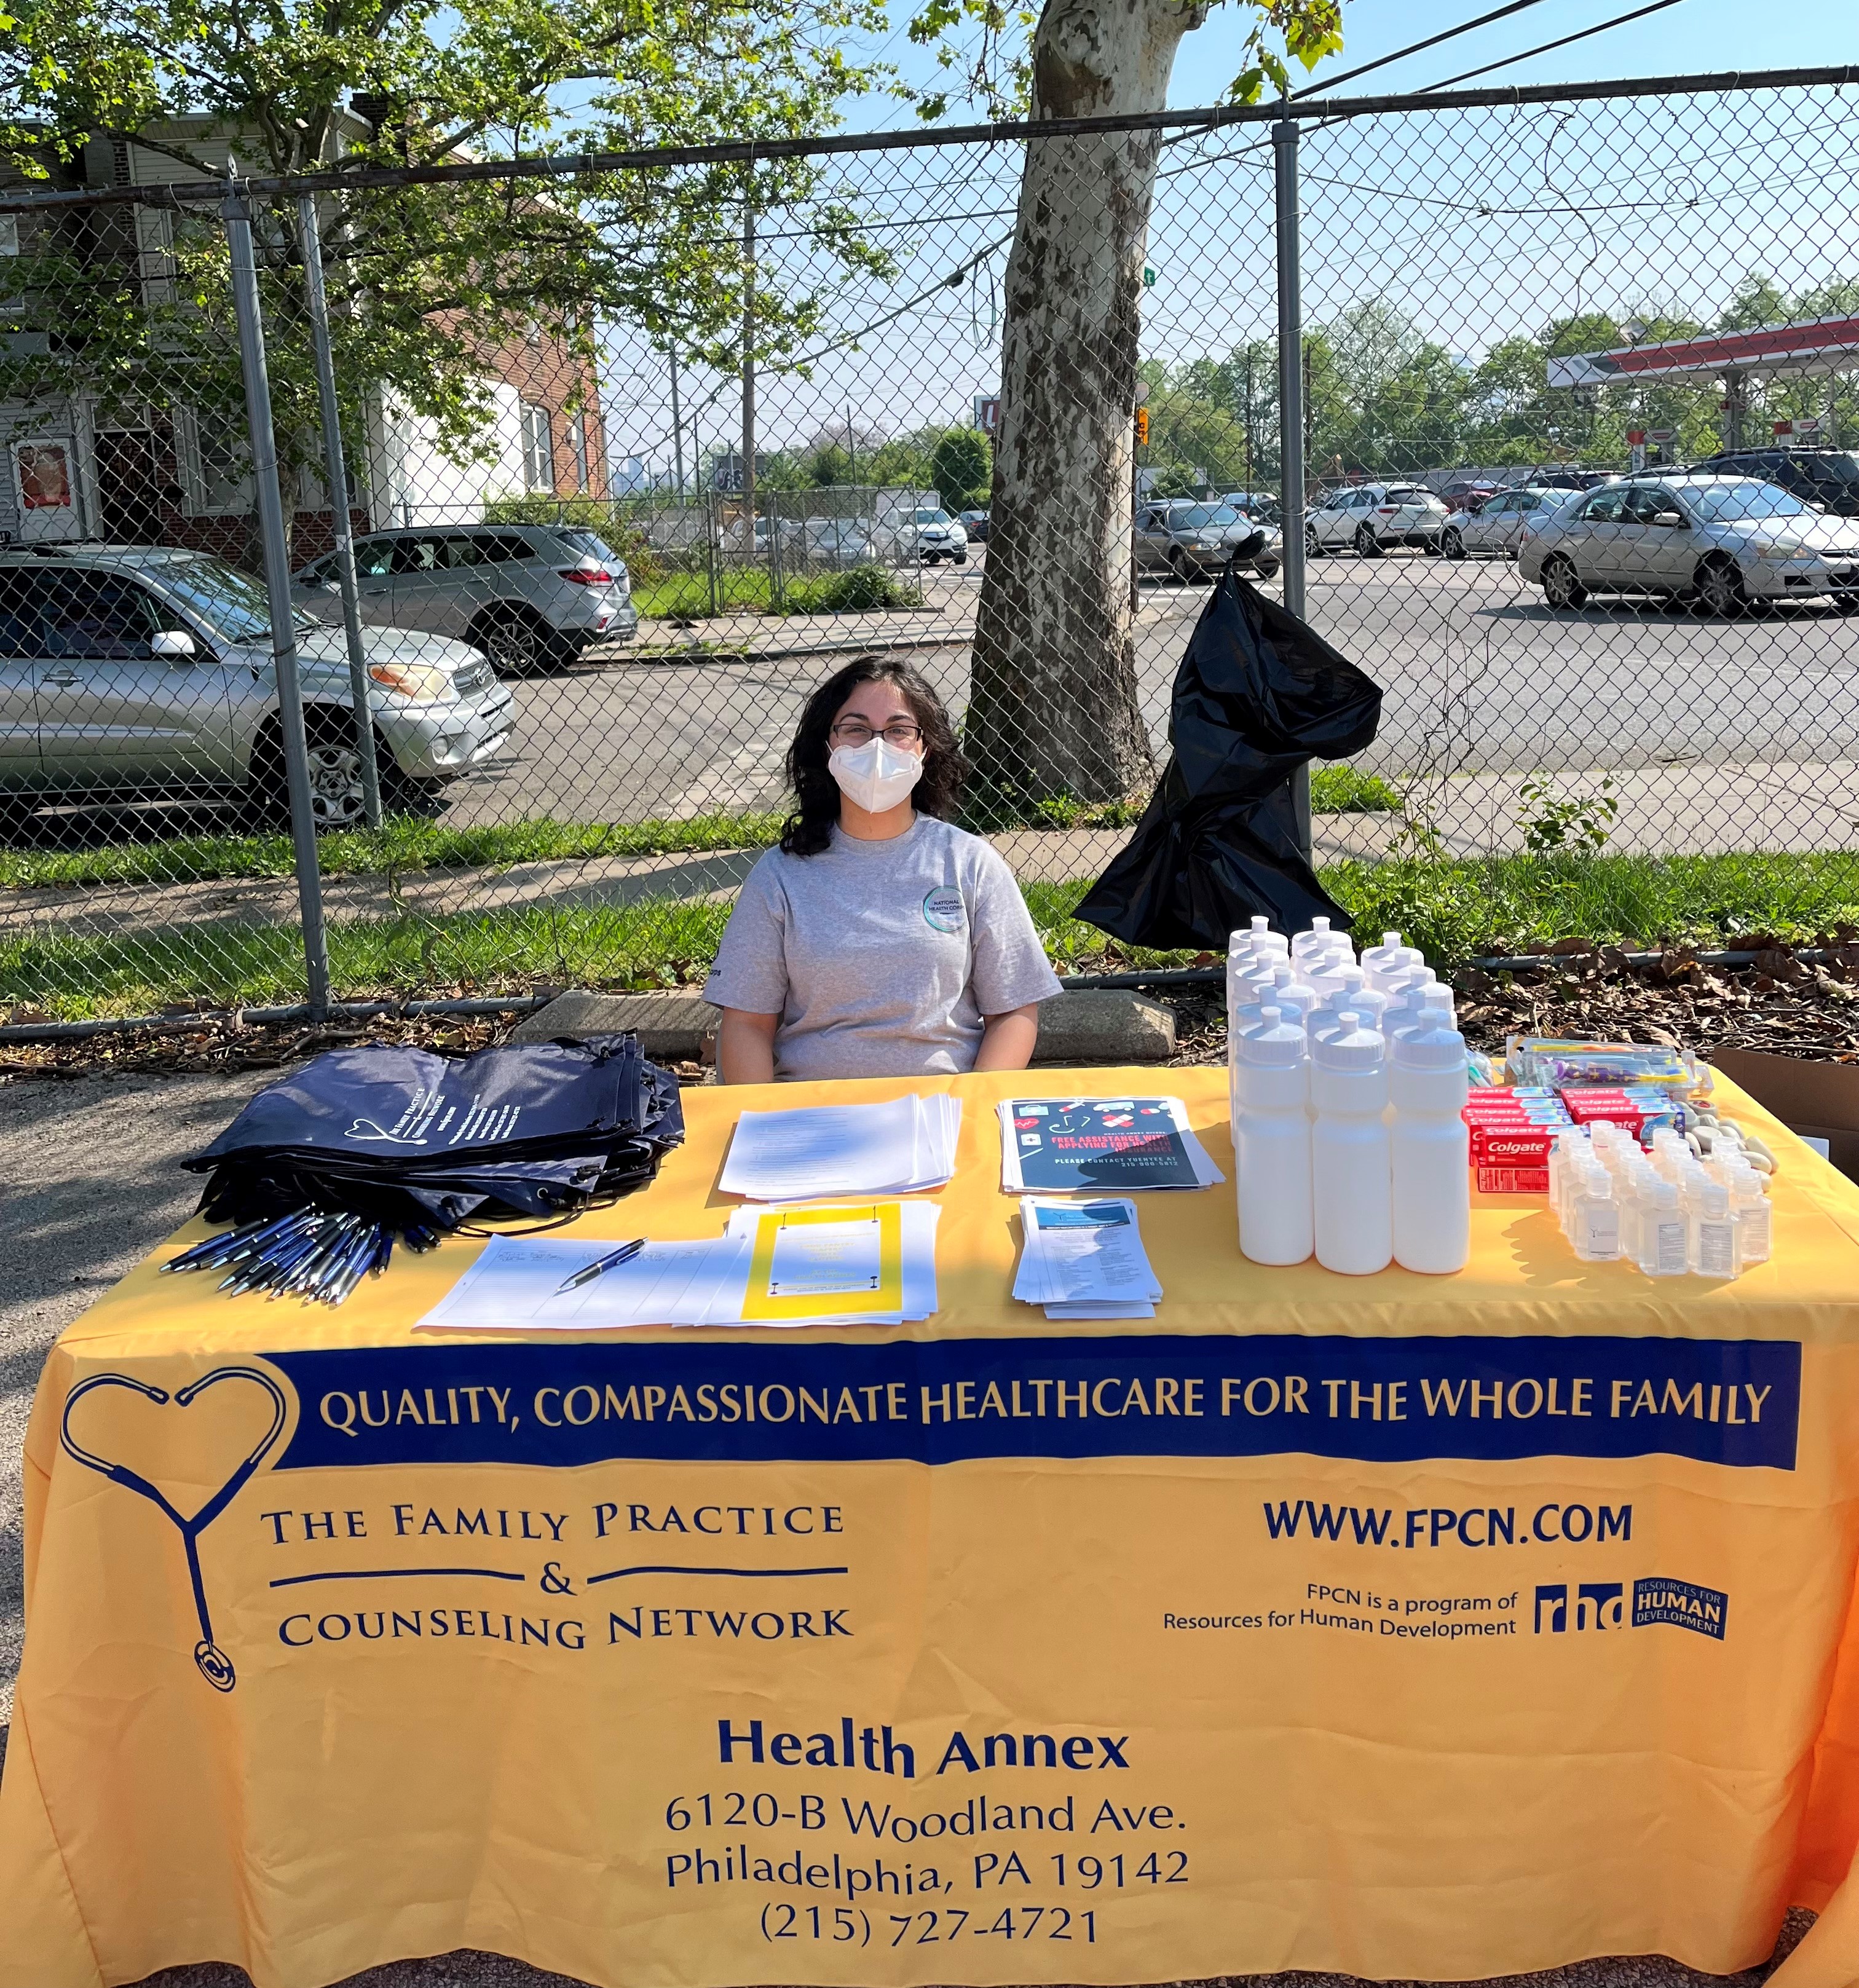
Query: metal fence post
x: 1291, y: 409
x: 336, y: 471
x: 277, y: 581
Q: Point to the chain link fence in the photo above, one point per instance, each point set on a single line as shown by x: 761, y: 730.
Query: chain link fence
x: 631, y: 457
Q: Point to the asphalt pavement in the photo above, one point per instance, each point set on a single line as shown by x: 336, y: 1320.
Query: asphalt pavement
x: 1738, y: 734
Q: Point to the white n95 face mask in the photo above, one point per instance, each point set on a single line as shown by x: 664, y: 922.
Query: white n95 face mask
x: 878, y: 775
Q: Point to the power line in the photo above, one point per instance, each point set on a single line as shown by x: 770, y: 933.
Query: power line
x: 1431, y: 42
x: 1620, y: 20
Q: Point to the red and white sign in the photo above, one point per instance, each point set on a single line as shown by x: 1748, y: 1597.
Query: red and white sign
x: 988, y: 414
x: 45, y: 483
x: 44, y: 476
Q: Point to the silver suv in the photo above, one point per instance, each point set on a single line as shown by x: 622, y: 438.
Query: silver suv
x: 132, y: 672
x: 1370, y: 517
x: 531, y: 596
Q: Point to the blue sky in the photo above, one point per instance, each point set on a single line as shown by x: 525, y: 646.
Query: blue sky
x: 1695, y: 34
x: 1676, y: 203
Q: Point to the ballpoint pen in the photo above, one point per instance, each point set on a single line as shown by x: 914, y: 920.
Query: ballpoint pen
x: 624, y: 1254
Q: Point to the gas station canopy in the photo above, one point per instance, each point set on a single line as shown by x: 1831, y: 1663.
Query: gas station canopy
x: 1820, y: 346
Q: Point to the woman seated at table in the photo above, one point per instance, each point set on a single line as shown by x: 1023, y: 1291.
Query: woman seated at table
x: 878, y: 940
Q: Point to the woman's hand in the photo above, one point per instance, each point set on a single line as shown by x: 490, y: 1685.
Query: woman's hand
x: 1006, y: 1040
x: 745, y: 1047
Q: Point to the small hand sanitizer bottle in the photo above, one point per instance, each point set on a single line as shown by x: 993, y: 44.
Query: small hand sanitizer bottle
x: 1664, y: 1243
x: 1755, y: 1217
x: 1713, y: 1230
x: 1597, y: 1216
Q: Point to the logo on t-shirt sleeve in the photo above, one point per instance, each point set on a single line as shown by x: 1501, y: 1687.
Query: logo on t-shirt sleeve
x: 943, y: 910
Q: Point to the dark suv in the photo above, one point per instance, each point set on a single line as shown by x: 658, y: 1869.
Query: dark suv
x: 1828, y: 477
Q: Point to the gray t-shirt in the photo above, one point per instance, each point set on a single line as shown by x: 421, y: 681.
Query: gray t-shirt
x: 881, y: 958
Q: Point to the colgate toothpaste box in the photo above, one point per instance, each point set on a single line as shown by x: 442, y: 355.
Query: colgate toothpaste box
x: 1511, y: 1180
x: 1641, y: 1114
x: 1511, y: 1157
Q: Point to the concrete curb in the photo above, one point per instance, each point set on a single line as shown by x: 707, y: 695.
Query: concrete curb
x: 679, y: 1026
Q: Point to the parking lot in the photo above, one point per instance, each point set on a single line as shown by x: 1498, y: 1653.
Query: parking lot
x: 1738, y: 733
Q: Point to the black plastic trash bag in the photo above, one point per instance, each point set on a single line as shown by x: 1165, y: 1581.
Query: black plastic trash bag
x: 1257, y: 695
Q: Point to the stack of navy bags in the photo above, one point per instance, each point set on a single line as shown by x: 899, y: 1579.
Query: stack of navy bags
x: 413, y: 1141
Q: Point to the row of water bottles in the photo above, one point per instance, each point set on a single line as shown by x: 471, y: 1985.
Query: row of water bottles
x: 1348, y: 1082
x: 1668, y: 1210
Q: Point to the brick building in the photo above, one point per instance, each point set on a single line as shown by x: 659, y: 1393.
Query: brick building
x: 165, y: 472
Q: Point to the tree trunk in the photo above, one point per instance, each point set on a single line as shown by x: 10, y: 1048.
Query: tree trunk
x: 1053, y: 709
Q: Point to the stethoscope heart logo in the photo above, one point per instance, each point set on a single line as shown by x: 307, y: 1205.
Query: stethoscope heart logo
x: 215, y: 1666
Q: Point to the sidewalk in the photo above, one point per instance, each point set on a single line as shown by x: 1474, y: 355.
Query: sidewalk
x: 1663, y: 810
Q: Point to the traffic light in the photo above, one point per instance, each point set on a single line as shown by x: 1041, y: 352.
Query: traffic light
x: 1142, y: 428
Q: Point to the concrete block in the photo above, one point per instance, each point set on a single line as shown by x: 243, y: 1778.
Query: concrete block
x: 671, y: 1025
x: 1092, y: 1026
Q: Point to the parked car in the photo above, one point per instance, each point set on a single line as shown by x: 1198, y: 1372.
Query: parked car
x: 1260, y: 506
x: 1725, y: 542
x: 529, y: 595
x: 1469, y: 495
x: 127, y: 671
x: 923, y: 536
x: 1370, y: 517
x: 1827, y: 477
x: 975, y: 524
x: 836, y: 543
x: 1194, y: 540
x: 1560, y: 478
x: 1497, y: 526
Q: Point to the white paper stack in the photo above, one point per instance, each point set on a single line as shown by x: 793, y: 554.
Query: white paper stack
x: 515, y: 1286
x: 826, y: 1150
x: 1100, y: 1145
x: 1084, y: 1259
x: 873, y: 1263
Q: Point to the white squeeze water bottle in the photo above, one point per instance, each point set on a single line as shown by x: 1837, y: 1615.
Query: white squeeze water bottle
x: 1430, y: 1147
x: 1363, y: 1003
x: 1333, y: 977
x: 1350, y: 1192
x: 1317, y: 940
x: 1389, y: 957
x: 1272, y: 1140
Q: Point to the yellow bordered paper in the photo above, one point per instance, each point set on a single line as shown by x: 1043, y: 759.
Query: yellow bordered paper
x: 758, y: 1304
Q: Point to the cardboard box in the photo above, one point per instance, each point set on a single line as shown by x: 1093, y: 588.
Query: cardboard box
x: 1819, y: 1099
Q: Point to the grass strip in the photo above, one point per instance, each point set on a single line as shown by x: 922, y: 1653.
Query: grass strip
x: 1454, y: 910
x: 402, y: 843
x: 687, y: 596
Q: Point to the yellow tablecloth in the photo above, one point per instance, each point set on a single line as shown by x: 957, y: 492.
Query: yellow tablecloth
x: 1435, y: 1627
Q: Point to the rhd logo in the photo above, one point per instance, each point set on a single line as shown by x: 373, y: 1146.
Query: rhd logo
x: 1599, y: 1604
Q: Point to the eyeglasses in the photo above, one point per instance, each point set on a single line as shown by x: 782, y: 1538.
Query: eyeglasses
x: 855, y: 732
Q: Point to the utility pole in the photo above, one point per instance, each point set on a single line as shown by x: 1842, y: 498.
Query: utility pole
x: 749, y: 356
x: 336, y: 472
x: 1249, y: 420
x: 1294, y: 361
x: 677, y: 427
x: 852, y: 447
x: 257, y: 382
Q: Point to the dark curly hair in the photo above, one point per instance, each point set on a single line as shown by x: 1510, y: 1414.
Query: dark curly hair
x: 809, y: 828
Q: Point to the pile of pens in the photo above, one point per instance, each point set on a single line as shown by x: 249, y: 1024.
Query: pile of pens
x: 313, y: 1254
